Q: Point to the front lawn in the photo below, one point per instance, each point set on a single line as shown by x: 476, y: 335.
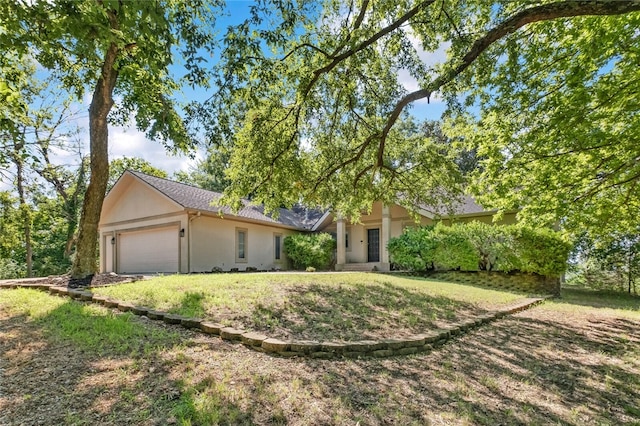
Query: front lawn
x: 573, y: 361
x: 327, y: 306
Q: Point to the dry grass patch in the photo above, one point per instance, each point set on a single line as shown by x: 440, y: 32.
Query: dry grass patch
x: 547, y: 365
x: 335, y: 306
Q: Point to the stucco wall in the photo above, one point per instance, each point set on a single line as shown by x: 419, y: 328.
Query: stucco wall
x: 135, y: 200
x: 213, y: 244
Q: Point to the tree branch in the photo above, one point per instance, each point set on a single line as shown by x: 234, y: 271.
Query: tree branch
x: 547, y: 12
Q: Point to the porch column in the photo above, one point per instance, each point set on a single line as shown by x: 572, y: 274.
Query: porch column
x: 384, y: 238
x: 341, y: 256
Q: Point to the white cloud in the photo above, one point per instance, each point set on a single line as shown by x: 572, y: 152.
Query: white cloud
x: 429, y: 58
x: 130, y: 142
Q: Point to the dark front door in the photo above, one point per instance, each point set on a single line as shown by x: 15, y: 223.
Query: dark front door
x: 373, y: 245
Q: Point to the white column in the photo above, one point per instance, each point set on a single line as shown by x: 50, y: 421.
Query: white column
x: 341, y: 257
x: 385, y: 237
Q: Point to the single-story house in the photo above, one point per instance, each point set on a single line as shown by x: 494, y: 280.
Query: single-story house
x: 149, y: 224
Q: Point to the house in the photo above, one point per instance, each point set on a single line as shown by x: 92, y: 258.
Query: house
x: 149, y: 224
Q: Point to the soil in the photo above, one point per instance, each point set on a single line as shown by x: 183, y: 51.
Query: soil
x: 97, y: 280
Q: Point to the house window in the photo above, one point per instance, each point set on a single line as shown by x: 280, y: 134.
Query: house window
x: 346, y: 240
x: 277, y: 246
x: 241, y: 245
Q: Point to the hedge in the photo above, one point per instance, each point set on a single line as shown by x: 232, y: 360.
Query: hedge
x: 310, y: 250
x: 477, y: 246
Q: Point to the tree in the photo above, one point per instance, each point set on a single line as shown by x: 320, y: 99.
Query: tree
x: 560, y: 136
x: 119, y: 165
x: 609, y: 263
x: 114, y: 48
x: 208, y: 173
x: 310, y: 100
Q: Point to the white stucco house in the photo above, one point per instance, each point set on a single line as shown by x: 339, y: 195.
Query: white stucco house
x: 150, y: 225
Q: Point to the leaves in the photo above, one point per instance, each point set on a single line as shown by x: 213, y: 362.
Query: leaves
x: 311, y: 105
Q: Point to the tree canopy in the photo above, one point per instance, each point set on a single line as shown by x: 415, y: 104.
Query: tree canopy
x: 310, y: 100
x: 114, y: 49
x: 120, y: 165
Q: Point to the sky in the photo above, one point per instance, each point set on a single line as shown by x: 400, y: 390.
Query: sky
x: 129, y: 142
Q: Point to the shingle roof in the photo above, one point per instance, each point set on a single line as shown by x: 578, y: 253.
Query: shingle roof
x: 191, y: 197
x: 468, y: 205
x: 462, y: 206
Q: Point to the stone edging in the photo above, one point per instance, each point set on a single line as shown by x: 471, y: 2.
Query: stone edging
x: 313, y: 349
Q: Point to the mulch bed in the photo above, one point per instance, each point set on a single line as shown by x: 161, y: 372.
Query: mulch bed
x: 97, y: 280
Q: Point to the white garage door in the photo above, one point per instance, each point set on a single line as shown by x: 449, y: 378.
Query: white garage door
x: 151, y: 250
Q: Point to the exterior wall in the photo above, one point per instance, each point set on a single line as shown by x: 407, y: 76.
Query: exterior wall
x: 136, y: 200
x: 109, y: 252
x: 213, y: 245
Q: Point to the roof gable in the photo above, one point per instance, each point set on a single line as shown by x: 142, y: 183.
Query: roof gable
x: 130, y: 198
x: 191, y: 197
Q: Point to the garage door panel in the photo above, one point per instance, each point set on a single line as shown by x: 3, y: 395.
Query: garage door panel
x: 151, y: 250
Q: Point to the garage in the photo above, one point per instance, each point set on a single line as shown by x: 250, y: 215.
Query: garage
x: 149, y: 250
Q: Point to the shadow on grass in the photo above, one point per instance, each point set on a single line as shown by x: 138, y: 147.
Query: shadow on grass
x: 352, y: 312
x: 82, y: 364
x: 539, y: 367
x: 600, y: 299
x: 518, y: 371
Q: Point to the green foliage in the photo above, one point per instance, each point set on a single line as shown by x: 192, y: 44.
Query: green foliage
x: 612, y: 263
x: 478, y: 246
x: 119, y: 165
x: 559, y: 122
x: 314, y: 97
x: 10, y: 268
x: 208, y: 173
x: 310, y: 250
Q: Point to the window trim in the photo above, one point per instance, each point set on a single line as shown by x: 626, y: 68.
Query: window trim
x: 347, y: 231
x: 275, y: 247
x: 245, y: 245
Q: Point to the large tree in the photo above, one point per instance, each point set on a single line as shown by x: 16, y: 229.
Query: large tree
x: 114, y: 50
x: 311, y: 101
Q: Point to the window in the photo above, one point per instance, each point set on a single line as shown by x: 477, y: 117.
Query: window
x: 277, y: 246
x: 346, y: 239
x: 241, y: 245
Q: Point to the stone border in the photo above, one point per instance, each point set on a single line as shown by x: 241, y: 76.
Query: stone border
x: 419, y: 343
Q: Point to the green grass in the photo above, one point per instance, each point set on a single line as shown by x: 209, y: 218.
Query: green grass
x: 552, y: 365
x: 88, y: 326
x: 344, y: 306
x: 620, y: 304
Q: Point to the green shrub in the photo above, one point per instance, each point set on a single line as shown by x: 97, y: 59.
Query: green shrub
x: 9, y: 268
x: 478, y: 246
x: 310, y: 250
x: 414, y: 249
x: 541, y: 251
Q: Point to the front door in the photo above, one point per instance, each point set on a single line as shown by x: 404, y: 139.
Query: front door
x: 373, y: 245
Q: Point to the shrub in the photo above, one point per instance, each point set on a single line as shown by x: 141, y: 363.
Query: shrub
x: 9, y: 268
x: 413, y: 250
x: 315, y: 250
x: 453, y: 249
x: 478, y: 246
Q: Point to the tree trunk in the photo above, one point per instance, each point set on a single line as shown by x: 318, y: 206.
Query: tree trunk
x: 24, y: 208
x: 84, y: 262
